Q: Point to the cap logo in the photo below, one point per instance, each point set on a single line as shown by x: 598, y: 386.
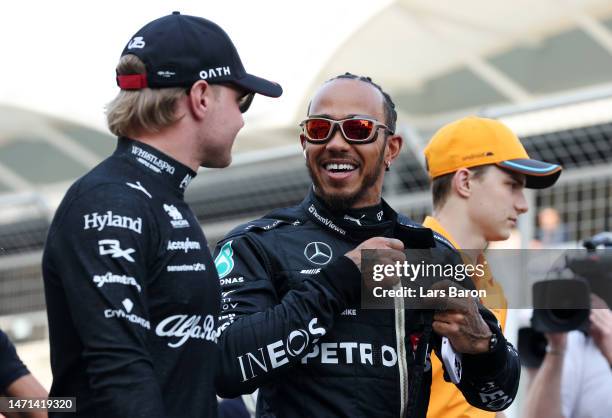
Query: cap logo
x: 137, y: 42
x: 482, y: 154
x: 166, y: 74
x: 215, y: 72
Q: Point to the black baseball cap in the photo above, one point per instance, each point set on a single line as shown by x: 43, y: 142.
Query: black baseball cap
x: 179, y: 50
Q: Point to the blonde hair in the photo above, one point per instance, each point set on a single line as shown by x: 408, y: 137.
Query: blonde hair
x: 134, y: 111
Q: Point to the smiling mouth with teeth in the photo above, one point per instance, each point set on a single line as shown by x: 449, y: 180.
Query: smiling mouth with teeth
x: 338, y: 168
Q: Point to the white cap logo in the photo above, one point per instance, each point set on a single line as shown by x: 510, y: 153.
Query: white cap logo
x: 137, y: 42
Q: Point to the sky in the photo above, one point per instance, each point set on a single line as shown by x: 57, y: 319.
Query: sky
x: 59, y: 57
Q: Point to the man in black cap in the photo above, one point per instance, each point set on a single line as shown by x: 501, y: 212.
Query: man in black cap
x: 131, y: 289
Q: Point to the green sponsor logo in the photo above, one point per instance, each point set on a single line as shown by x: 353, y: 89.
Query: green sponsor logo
x: 224, y: 261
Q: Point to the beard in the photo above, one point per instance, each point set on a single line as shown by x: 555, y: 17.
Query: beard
x: 339, y: 202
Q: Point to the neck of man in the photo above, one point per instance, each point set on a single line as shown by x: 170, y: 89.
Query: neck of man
x: 372, y: 198
x: 175, y: 141
x: 455, y: 220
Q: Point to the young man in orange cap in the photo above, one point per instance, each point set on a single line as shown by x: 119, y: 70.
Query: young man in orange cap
x: 479, y: 169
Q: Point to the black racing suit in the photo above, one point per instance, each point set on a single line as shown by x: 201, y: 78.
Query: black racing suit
x: 291, y: 324
x: 132, y: 292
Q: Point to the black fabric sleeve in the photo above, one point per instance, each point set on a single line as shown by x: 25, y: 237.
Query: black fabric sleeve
x: 11, y: 367
x: 262, y: 334
x: 104, y: 270
x: 490, y: 380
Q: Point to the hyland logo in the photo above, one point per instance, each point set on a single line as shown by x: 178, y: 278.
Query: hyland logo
x: 215, y: 72
x: 112, y: 247
x: 177, y: 219
x: 224, y: 262
x: 185, y: 246
x: 125, y: 313
x: 115, y: 278
x: 99, y: 222
x: 136, y: 42
x: 140, y: 187
x: 184, y: 327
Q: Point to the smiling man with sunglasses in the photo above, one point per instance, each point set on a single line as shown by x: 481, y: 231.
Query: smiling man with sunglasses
x: 291, y: 322
x: 131, y: 289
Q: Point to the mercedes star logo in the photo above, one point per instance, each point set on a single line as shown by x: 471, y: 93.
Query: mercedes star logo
x: 318, y: 253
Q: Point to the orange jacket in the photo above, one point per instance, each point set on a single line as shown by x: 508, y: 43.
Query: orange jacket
x: 446, y: 400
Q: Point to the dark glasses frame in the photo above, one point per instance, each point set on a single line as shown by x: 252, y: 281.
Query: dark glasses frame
x: 338, y: 124
x: 244, y: 102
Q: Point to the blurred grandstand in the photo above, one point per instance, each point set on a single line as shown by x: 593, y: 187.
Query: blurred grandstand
x: 548, y: 76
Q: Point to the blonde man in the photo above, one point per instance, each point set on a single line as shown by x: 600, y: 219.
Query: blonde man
x: 131, y: 288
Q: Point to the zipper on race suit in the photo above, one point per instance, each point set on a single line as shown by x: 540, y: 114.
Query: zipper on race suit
x: 400, y: 336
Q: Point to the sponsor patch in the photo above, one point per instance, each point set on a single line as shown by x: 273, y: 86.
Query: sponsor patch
x: 126, y: 313
x: 177, y: 218
x: 113, y: 248
x: 101, y: 280
x: 224, y: 262
x: 215, y: 72
x: 186, y: 245
x: 140, y: 187
x: 186, y: 267
x: 180, y: 328
x: 318, y: 253
x: 231, y: 280
x: 109, y: 219
x: 151, y: 161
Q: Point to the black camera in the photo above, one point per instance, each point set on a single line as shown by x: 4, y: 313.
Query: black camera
x: 563, y: 305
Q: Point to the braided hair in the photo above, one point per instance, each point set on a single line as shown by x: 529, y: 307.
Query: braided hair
x: 389, y: 106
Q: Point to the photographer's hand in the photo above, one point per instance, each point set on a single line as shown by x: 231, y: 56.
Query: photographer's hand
x: 601, y: 326
x: 544, y: 394
x: 556, y: 343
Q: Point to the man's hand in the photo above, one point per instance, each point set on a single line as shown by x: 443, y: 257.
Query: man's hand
x: 461, y: 322
x: 601, y: 326
x: 379, y: 243
x: 393, y: 252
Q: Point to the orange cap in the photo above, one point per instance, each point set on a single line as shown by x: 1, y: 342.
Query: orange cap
x: 474, y: 141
